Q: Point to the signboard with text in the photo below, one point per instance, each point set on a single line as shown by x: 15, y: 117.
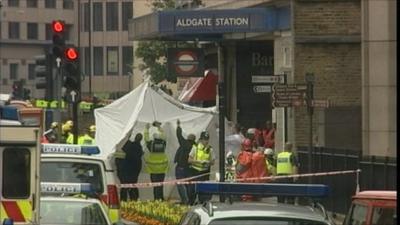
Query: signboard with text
x: 288, y: 95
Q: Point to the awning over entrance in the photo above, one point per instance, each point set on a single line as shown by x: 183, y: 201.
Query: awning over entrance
x: 208, y: 24
x: 204, y: 89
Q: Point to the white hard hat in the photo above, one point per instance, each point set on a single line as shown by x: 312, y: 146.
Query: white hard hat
x: 251, y: 131
x: 156, y: 135
x: 268, y: 151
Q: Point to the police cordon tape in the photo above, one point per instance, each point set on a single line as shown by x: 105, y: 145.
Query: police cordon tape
x: 188, y: 180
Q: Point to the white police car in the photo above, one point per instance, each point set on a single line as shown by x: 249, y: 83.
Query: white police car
x: 258, y: 213
x: 65, y: 163
x: 70, y: 204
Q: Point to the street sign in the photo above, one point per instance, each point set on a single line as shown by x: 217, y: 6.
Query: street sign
x: 262, y: 89
x: 301, y: 102
x: 73, y: 94
x: 268, y: 79
x: 288, y: 95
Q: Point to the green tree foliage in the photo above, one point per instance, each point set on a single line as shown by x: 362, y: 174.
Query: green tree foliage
x: 153, y: 53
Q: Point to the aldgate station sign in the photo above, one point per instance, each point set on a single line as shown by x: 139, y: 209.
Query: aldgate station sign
x: 207, y: 22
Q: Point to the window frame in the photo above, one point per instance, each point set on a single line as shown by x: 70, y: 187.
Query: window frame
x: 30, y: 5
x: 126, y: 12
x: 31, y: 71
x: 13, y: 5
x: 68, y: 4
x: 13, y: 77
x: 17, y: 34
x: 100, y: 64
x: 98, y: 22
x: 125, y: 68
x: 112, y: 26
x: 110, y: 58
x: 28, y: 171
x: 35, y: 31
x: 48, y: 4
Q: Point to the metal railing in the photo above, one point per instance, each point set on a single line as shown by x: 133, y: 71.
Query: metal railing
x: 378, y: 173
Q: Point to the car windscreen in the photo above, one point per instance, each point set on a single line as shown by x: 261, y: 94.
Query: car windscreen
x: 264, y: 221
x: 71, y: 213
x: 383, y: 216
x: 73, y: 172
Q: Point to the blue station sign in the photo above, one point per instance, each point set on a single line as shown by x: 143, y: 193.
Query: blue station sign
x: 184, y: 23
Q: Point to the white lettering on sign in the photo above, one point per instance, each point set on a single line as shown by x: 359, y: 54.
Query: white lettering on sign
x: 194, y: 22
x: 68, y: 149
x: 209, y: 22
x: 257, y: 59
x: 232, y: 21
x: 262, y: 89
x: 60, y: 188
x: 267, y: 79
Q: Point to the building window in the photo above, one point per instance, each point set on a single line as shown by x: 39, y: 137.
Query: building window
x: 68, y: 4
x: 13, y: 71
x: 87, y: 61
x: 31, y: 3
x: 98, y: 16
x: 68, y: 32
x: 86, y: 17
x: 5, y: 81
x: 16, y: 172
x: 112, y: 16
x: 31, y: 71
x: 112, y: 60
x: 49, y: 32
x: 13, y: 3
x: 286, y: 57
x: 32, y: 31
x: 127, y: 60
x: 50, y: 4
x: 98, y: 61
x: 127, y: 13
x: 13, y: 30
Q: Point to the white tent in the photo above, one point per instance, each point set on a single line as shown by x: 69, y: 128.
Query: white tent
x: 127, y: 116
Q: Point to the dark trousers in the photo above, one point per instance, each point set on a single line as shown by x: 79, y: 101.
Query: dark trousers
x: 192, y: 188
x: 130, y: 193
x: 181, y: 173
x: 158, y: 191
x: 286, y: 199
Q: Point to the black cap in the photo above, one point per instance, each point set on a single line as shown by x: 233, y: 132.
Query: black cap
x: 204, y: 135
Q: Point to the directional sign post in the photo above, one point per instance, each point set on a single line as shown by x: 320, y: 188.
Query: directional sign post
x: 288, y: 95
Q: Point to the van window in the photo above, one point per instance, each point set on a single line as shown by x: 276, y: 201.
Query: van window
x: 16, y: 173
x: 73, y: 172
x: 383, y: 216
x: 358, y: 215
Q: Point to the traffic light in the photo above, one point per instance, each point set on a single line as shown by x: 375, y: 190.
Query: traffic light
x: 44, y: 74
x: 71, y: 70
x: 17, y: 90
x: 58, y: 28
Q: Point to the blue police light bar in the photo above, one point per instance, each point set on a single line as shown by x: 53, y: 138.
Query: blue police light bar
x: 266, y: 189
x: 9, y: 113
x: 70, y: 149
x: 66, y: 188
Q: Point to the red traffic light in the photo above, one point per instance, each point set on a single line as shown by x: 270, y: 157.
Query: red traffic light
x: 71, y: 54
x: 58, y: 26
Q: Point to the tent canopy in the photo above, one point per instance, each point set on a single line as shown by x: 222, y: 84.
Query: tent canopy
x: 125, y: 117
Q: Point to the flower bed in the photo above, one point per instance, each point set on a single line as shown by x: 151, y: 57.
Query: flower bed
x: 152, y: 212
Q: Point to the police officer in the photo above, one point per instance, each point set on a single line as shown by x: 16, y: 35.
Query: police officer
x: 181, y: 160
x: 270, y: 161
x: 88, y: 137
x: 156, y: 160
x: 67, y: 136
x: 201, y: 158
x: 286, y: 164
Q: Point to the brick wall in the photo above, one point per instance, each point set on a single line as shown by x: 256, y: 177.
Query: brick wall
x: 327, y: 17
x: 335, y: 62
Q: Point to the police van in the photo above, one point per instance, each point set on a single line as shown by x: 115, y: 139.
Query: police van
x: 71, y: 203
x: 65, y: 163
x: 19, y: 173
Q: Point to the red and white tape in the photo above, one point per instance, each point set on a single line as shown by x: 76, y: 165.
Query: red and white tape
x: 189, y: 180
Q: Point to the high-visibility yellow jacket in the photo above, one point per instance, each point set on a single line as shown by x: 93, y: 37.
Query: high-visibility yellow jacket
x: 202, y: 158
x: 86, y: 140
x: 283, y: 164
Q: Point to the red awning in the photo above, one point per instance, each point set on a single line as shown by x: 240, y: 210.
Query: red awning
x: 204, y: 89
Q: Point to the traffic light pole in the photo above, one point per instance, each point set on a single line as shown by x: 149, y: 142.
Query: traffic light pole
x: 57, y: 114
